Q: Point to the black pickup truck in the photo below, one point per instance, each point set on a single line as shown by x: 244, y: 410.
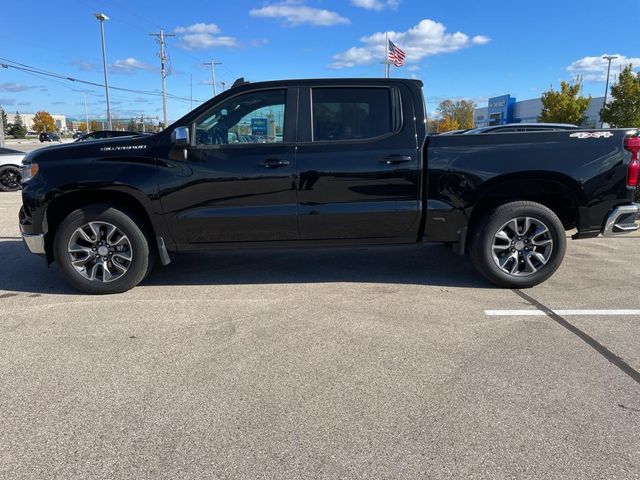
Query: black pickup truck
x: 339, y: 162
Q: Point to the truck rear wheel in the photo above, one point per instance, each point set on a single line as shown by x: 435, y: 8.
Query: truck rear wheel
x: 518, y: 244
x: 101, y: 250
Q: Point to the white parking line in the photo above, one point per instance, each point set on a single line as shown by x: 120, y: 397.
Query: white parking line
x: 564, y: 313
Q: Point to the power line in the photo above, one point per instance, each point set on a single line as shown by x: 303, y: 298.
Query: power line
x: 37, y: 71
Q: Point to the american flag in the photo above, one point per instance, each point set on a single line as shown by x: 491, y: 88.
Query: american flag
x: 396, y: 56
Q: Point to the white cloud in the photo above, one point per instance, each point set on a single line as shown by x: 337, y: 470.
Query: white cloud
x: 211, y: 28
x: 295, y: 12
x: 129, y: 66
x: 84, y: 65
x: 376, y: 5
x: 426, y: 38
x: 203, y: 35
x: 17, y: 87
x: 594, y: 69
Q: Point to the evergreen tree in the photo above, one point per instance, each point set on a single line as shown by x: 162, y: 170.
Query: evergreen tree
x: 624, y: 108
x: 18, y: 130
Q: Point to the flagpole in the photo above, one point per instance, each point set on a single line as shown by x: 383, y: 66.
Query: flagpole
x: 386, y: 55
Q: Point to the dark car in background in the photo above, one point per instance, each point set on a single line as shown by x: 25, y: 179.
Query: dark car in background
x: 102, y: 134
x: 48, y: 137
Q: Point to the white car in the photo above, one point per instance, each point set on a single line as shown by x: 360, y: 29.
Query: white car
x: 10, y: 169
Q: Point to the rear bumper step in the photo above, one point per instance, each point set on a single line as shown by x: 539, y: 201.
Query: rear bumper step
x: 623, y: 219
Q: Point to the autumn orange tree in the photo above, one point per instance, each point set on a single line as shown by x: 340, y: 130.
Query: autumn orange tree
x: 453, y: 115
x: 447, y: 124
x: 43, y: 122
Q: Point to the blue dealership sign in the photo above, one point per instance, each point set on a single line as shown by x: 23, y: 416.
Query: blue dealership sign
x: 501, y: 109
x: 259, y: 126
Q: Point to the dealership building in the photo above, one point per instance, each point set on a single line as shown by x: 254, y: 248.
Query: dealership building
x: 27, y: 120
x: 505, y: 109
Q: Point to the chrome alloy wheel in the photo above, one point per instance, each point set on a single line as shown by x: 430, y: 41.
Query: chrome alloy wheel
x: 522, y: 246
x: 99, y: 251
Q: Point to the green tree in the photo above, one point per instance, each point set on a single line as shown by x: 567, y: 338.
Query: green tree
x: 134, y: 125
x: 17, y: 130
x: 43, y: 122
x: 624, y: 109
x: 566, y: 105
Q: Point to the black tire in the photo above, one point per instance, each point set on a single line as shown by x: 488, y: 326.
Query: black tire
x: 138, y: 267
x: 10, y: 178
x: 494, y: 221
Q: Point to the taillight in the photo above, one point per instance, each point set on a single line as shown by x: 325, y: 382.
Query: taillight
x: 633, y: 172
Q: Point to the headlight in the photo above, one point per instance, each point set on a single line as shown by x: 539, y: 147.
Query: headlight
x: 29, y: 171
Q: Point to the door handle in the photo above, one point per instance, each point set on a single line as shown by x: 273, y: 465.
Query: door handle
x: 396, y: 159
x: 274, y: 163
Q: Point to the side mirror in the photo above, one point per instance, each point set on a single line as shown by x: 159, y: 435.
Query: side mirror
x: 180, y: 137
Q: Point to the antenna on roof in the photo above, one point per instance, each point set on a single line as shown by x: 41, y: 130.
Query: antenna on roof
x: 239, y: 82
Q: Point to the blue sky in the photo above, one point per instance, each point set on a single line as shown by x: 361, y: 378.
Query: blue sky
x: 460, y: 49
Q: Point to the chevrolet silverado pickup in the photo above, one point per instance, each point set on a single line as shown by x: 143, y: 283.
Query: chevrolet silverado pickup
x: 341, y: 162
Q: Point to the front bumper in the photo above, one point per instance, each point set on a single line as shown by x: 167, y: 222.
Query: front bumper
x: 34, y: 243
x: 622, y: 219
x: 33, y: 239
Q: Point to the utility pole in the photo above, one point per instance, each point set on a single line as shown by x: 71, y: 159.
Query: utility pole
x: 213, y: 74
x: 102, y: 17
x: 224, y: 84
x: 161, y: 36
x: 606, y: 90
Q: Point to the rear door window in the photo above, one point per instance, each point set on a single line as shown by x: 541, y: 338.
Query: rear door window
x: 346, y: 113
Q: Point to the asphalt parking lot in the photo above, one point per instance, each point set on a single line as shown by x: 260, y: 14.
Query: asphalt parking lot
x: 355, y: 363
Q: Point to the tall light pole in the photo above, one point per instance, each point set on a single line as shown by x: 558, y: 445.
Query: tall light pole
x: 606, y: 90
x: 101, y: 18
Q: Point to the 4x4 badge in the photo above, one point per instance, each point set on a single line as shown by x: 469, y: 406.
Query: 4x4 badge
x: 591, y: 135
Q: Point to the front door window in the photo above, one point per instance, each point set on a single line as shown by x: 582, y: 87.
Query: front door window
x: 253, y: 118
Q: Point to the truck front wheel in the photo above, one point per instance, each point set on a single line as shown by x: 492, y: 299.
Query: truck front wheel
x: 101, y: 250
x: 518, y: 244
